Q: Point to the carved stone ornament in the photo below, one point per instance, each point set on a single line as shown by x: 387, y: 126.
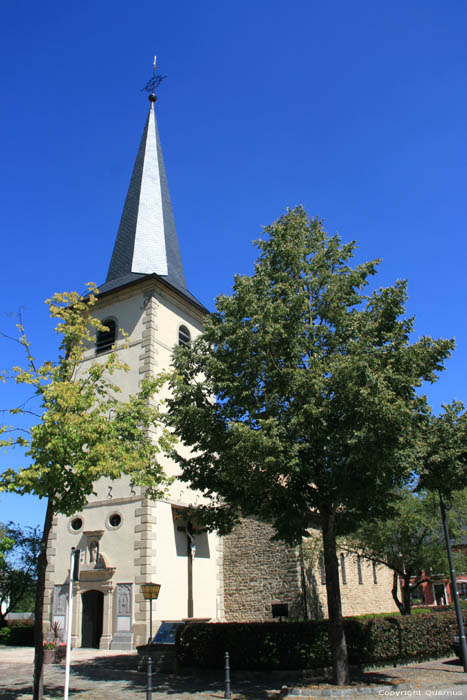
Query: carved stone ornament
x: 124, y: 599
x: 93, y: 534
x: 96, y: 574
x: 60, y: 600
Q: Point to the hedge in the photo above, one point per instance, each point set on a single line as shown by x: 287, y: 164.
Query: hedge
x: 17, y: 636
x: 5, y: 634
x: 299, y: 645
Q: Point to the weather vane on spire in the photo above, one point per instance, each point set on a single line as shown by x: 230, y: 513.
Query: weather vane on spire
x: 154, y: 82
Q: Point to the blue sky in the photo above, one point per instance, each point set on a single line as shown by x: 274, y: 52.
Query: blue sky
x: 355, y: 110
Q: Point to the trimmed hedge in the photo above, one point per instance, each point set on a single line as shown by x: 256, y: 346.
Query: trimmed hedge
x: 17, y: 636
x: 22, y: 636
x: 299, y: 645
x: 5, y: 634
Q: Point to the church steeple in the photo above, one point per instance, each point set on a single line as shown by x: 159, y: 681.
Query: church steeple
x: 147, y: 241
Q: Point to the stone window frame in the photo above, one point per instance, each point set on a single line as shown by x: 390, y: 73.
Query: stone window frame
x: 77, y: 516
x: 462, y: 589
x: 105, y: 340
x: 375, y: 573
x: 184, y: 336
x: 110, y: 527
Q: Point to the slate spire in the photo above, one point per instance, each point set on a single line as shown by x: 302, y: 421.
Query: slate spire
x: 147, y: 241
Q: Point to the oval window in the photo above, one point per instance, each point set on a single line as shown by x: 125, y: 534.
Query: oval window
x: 76, y: 524
x: 115, y: 519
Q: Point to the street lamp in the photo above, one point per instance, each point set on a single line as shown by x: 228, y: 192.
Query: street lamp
x: 455, y: 593
x: 150, y: 592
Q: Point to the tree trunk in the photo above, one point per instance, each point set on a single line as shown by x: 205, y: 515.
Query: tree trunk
x: 39, y: 607
x: 303, y: 582
x: 395, y: 579
x: 340, y: 663
x: 406, y: 603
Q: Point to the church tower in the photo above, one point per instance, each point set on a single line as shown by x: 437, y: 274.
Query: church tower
x: 126, y: 539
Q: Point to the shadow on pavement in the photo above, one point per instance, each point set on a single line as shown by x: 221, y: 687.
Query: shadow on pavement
x: 261, y: 686
x: 123, y: 669
x: 452, y: 662
x: 116, y: 677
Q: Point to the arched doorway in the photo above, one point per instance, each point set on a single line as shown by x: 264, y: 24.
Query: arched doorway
x: 91, y: 620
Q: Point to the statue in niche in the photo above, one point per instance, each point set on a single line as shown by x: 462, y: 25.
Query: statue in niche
x: 93, y: 552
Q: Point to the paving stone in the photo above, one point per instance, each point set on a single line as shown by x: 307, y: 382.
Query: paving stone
x: 100, y: 675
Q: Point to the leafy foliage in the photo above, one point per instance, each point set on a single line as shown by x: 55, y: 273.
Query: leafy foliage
x: 301, y: 396
x: 83, y: 432
x: 411, y: 542
x: 314, y: 385
x: 444, y: 467
x: 5, y: 635
x: 19, y: 551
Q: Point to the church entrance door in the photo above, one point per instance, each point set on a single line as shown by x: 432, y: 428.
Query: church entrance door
x: 91, y: 621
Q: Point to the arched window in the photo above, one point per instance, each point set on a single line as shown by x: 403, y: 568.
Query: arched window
x: 322, y: 570
x: 343, y: 573
x: 105, y: 339
x: 359, y: 569
x: 184, y: 337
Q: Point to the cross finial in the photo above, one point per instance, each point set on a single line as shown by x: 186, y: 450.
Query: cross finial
x: 154, y: 82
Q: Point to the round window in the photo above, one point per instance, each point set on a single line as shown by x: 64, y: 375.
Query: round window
x: 115, y: 520
x: 76, y: 524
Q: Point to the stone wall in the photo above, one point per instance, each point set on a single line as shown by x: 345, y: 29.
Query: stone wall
x: 259, y: 572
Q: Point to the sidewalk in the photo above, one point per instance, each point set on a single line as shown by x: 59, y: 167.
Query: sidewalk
x: 113, y: 675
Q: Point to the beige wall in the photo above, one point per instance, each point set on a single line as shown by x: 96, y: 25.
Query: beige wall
x: 171, y: 544
x: 147, y: 545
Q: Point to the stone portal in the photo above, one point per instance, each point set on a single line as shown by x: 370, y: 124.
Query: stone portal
x: 92, y: 618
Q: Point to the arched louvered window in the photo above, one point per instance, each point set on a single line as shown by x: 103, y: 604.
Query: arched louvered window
x: 105, y: 339
x: 184, y: 337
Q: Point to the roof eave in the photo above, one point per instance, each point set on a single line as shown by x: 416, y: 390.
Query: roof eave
x: 158, y: 278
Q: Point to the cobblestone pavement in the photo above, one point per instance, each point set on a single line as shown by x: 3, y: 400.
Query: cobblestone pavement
x: 99, y: 675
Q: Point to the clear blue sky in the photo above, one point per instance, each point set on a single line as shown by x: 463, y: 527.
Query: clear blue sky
x: 357, y: 110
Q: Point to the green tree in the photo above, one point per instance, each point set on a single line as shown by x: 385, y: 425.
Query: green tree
x: 444, y: 465
x: 410, y: 542
x: 19, y: 550
x: 300, y: 396
x: 83, y: 431
x: 444, y: 469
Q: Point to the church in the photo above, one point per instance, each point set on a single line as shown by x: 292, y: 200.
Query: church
x: 124, y: 538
